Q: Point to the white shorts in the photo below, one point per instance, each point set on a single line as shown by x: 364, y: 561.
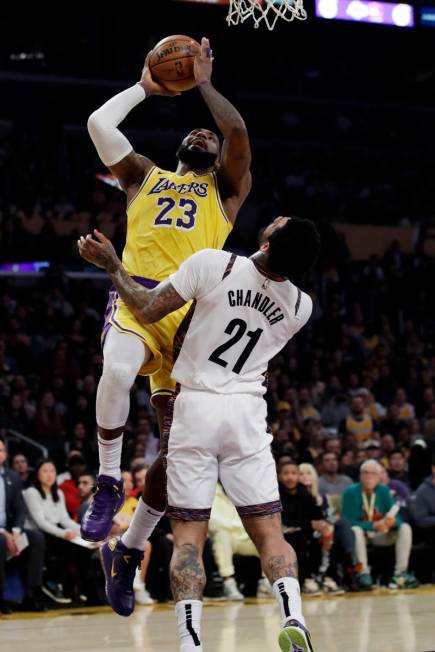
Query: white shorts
x: 220, y: 436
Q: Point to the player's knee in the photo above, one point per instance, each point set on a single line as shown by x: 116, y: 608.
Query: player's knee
x: 261, y: 530
x: 118, y: 376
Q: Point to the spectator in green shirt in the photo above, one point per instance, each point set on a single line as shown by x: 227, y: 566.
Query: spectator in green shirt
x: 369, y: 507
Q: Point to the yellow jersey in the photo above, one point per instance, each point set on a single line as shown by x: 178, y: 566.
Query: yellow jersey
x: 362, y: 428
x: 171, y: 217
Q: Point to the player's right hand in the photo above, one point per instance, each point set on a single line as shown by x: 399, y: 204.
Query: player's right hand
x: 100, y: 252
x: 150, y: 86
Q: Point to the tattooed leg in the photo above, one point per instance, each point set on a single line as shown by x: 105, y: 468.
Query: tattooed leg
x: 278, y: 558
x: 187, y: 570
x: 280, y: 565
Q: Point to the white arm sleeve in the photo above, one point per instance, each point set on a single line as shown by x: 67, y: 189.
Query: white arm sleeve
x: 200, y: 273
x: 112, y: 146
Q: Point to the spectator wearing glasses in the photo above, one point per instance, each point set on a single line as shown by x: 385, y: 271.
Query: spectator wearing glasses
x: 369, y: 507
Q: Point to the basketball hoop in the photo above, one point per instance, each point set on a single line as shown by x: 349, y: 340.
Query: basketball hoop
x: 268, y: 10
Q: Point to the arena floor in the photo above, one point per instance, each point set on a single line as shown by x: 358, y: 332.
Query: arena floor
x: 384, y: 622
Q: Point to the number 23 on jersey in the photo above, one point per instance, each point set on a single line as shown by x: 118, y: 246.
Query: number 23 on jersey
x: 180, y: 214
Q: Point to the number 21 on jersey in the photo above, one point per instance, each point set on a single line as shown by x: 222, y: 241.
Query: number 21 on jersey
x: 181, y: 216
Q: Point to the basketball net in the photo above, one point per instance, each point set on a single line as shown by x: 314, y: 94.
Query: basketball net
x: 268, y: 10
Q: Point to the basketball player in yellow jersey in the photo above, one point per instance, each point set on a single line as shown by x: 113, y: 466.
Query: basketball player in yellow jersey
x: 170, y: 215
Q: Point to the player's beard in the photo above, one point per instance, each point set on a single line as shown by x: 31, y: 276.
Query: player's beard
x: 197, y: 159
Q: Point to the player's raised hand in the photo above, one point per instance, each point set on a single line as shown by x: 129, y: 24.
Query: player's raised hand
x: 203, y: 64
x: 100, y: 252
x: 150, y: 86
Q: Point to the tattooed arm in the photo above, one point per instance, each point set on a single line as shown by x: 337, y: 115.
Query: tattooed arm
x: 235, y: 161
x: 148, y: 306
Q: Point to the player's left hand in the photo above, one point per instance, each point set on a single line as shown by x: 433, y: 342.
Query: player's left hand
x: 100, y: 252
x: 203, y: 64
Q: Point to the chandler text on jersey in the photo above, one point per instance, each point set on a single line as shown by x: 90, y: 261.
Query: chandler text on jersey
x: 257, y: 300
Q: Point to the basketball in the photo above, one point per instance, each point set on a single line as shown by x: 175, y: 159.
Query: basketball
x: 171, y: 62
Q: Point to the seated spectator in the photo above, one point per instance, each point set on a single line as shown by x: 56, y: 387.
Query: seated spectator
x: 388, y: 444
x: 372, y: 407
x: 306, y: 407
x: 422, y: 506
x: 85, y: 485
x: 392, y: 423
x: 358, y: 423
x: 370, y: 510
x: 333, y: 445
x: 229, y: 538
x: 75, y: 465
x: 82, y: 443
x: 31, y: 558
x: 20, y: 464
x: 397, y: 466
x: 331, y: 482
x: 373, y: 449
x: 299, y: 511
x: 313, y: 438
x: 406, y: 410
x: 335, y: 411
x: 348, y: 466
x: 336, y: 537
x: 66, y: 564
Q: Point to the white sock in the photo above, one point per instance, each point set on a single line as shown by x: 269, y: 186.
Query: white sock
x: 110, y: 451
x: 288, y: 594
x: 188, y: 614
x: 137, y: 583
x: 142, y: 524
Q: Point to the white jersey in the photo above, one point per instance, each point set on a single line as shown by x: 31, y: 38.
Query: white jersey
x: 241, y: 320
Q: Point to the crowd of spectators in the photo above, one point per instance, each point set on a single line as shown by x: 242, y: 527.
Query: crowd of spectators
x: 351, y: 400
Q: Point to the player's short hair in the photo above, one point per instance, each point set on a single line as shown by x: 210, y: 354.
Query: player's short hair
x: 294, y: 248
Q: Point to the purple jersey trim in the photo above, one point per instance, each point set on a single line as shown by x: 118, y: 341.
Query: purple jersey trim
x: 112, y: 306
x: 188, y: 514
x: 263, y: 509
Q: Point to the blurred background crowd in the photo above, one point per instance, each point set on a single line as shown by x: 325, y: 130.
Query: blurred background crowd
x: 339, y: 139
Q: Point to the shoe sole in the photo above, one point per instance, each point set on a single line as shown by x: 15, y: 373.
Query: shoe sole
x: 293, y: 639
x: 106, y: 572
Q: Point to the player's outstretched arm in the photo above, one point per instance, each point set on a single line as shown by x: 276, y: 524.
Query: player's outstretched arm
x: 236, y: 151
x: 112, y: 146
x: 148, y: 306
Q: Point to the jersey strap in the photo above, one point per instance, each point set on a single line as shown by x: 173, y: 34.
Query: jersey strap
x: 230, y: 265
x: 298, y: 302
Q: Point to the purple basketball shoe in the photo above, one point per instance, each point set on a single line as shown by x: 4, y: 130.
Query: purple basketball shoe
x: 119, y: 564
x: 106, y: 502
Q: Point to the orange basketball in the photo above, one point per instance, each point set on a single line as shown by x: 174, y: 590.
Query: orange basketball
x: 171, y: 62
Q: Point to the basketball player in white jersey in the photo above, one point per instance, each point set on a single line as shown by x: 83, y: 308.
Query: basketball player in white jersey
x: 245, y: 311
